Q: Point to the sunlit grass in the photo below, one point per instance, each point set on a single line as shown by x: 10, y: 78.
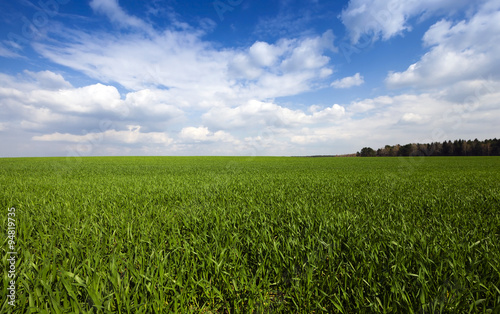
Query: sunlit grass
x: 224, y: 234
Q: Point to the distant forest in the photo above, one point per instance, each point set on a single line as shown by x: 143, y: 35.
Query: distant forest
x: 446, y: 148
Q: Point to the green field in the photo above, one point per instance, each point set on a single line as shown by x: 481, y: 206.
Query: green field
x: 262, y: 234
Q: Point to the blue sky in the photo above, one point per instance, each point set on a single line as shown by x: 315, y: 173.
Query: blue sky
x: 240, y: 77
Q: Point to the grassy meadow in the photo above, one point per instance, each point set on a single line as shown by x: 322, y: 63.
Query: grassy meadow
x: 253, y: 235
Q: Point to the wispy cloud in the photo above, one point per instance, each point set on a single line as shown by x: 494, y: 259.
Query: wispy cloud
x: 117, y: 15
x: 8, y: 53
x: 193, y: 69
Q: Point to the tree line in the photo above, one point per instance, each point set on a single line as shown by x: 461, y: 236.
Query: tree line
x: 447, y: 148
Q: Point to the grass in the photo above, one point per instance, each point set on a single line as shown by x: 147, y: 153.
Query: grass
x: 262, y: 235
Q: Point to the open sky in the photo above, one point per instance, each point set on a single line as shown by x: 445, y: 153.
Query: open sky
x: 245, y: 77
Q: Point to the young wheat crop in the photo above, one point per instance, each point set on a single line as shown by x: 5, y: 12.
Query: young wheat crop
x: 261, y: 235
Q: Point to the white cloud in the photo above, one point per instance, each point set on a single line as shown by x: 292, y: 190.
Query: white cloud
x: 34, y: 116
x: 459, y: 51
x: 153, y: 104
x: 177, y: 60
x: 369, y: 104
x: 323, y: 135
x: 350, y: 81
x: 49, y: 80
x: 32, y: 104
x: 88, y: 99
x: 117, y: 15
x: 130, y: 136
x: 258, y: 114
x: 385, y: 19
x: 264, y: 54
x: 7, y: 53
x: 242, y: 67
x: 325, y: 72
x: 328, y: 114
x: 411, y: 117
x: 202, y: 134
x: 194, y: 71
x: 308, y: 54
x: 382, y: 120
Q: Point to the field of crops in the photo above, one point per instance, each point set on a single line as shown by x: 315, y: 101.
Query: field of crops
x: 261, y: 235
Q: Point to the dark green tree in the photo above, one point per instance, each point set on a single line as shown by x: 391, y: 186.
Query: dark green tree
x: 405, y: 150
x: 368, y: 152
x: 459, y: 147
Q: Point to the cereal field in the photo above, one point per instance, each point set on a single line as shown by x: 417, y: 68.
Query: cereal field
x: 260, y: 234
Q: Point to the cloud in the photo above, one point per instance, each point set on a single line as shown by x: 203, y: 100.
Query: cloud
x: 369, y: 104
x: 319, y: 135
x: 196, y: 72
x: 59, y: 119
x: 117, y: 15
x: 411, y: 118
x: 7, y: 53
x: 193, y: 71
x: 173, y: 59
x: 258, y: 114
x: 152, y: 105
x: 464, y: 50
x: 49, y: 80
x: 130, y: 136
x: 34, y: 104
x: 308, y: 54
x: 385, y: 19
x: 350, y: 81
x: 202, y: 134
x: 423, y: 117
x: 88, y: 99
x: 264, y: 54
